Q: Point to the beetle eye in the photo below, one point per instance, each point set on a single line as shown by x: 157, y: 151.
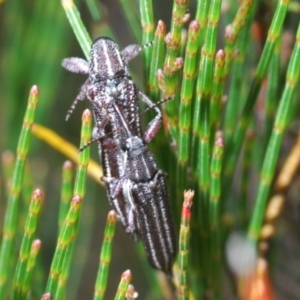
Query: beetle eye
x: 119, y: 73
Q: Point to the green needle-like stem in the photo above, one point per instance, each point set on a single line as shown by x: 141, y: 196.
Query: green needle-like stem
x: 157, y: 59
x: 173, y: 63
x: 147, y: 20
x: 216, y: 95
x: 214, y: 215
x: 272, y: 97
x: 62, y: 244
x: 245, y: 178
x: 201, y: 18
x: 66, y: 191
x: 10, y: 221
x: 201, y: 121
x: 233, y: 30
x: 35, y: 249
x: 184, y: 239
x: 29, y: 231
x: 272, y: 152
x: 78, y: 27
x: 105, y: 256
x: 62, y: 257
x: 123, y: 285
x: 187, y: 89
x: 233, y: 146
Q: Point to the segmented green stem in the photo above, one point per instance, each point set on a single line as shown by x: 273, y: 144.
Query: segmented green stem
x: 29, y: 231
x: 216, y: 95
x: 234, y: 147
x: 245, y: 177
x: 234, y: 104
x: 272, y: 152
x: 214, y: 214
x: 34, y: 251
x: 78, y: 27
x: 84, y: 156
x: 233, y: 30
x: 201, y: 121
x: 63, y: 252
x: 66, y: 191
x: 10, y: 221
x: 66, y: 197
x: 185, y: 110
x: 105, y: 256
x: 184, y: 244
x: 65, y: 268
x: 187, y: 89
x: 272, y: 97
x: 79, y: 189
x: 26, y: 196
x: 158, y: 53
x: 62, y: 244
x: 147, y: 20
x: 173, y: 63
x: 201, y: 18
x: 123, y: 285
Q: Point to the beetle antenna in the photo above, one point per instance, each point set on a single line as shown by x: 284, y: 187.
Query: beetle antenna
x: 157, y: 104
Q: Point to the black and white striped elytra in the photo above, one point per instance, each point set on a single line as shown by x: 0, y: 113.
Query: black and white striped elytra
x: 143, y: 186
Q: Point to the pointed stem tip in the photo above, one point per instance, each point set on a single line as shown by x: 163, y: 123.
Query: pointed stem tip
x: 161, y: 28
x: 34, y: 91
x: 36, y: 244
x: 38, y: 195
x: 86, y: 116
x: 127, y: 275
x: 68, y: 165
x: 112, y: 216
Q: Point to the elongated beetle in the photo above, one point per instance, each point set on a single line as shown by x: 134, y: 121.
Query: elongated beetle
x: 144, y: 188
x: 136, y: 188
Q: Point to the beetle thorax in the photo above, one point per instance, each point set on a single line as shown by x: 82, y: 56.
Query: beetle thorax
x: 106, y: 60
